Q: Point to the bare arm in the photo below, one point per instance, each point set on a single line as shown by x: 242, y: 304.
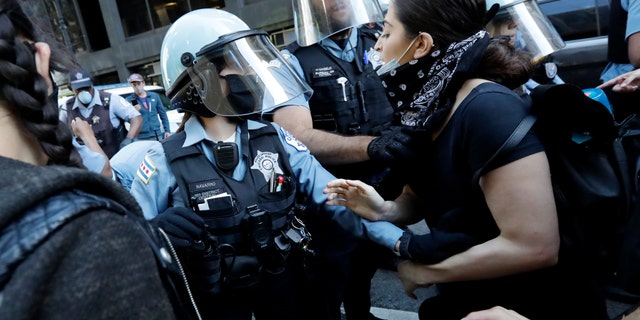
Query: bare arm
x: 328, y: 148
x: 521, y: 201
x: 634, y: 49
x: 135, y: 124
x: 364, y: 200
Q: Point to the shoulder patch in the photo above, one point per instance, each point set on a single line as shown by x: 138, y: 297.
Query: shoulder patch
x: 275, y: 63
x: 146, y: 169
x: 292, y: 141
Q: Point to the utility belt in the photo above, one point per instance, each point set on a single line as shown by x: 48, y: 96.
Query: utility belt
x: 234, y: 267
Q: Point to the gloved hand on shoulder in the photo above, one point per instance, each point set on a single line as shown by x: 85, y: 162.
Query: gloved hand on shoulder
x: 183, y: 226
x: 400, y: 144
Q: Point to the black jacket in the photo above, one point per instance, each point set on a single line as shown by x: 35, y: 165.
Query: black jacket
x: 96, y: 266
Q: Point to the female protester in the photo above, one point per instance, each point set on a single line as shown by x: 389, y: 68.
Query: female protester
x: 494, y: 240
x: 225, y: 187
x: 55, y: 263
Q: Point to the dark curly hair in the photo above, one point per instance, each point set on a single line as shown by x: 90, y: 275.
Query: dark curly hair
x: 515, y: 65
x: 26, y: 91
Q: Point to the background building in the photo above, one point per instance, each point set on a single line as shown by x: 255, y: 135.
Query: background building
x: 113, y: 38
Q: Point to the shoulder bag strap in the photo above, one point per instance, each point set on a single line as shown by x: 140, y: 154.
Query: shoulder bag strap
x: 514, y: 139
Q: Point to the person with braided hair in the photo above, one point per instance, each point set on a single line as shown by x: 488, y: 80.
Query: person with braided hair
x: 64, y: 231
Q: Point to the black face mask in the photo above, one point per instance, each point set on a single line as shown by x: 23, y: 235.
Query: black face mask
x: 241, y: 98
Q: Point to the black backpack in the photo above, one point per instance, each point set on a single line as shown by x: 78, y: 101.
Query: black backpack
x: 594, y: 164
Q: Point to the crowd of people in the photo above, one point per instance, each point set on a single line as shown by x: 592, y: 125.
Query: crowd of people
x: 293, y: 177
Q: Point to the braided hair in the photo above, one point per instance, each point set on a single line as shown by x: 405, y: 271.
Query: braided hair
x: 26, y: 91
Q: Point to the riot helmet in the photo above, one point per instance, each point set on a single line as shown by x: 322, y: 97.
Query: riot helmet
x: 212, y: 63
x: 318, y: 19
x: 526, y: 26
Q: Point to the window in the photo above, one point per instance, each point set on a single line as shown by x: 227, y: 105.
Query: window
x: 134, y: 17
x: 65, y: 25
x: 140, y: 16
x: 165, y: 12
x: 199, y: 4
x: 577, y: 19
x: 282, y: 38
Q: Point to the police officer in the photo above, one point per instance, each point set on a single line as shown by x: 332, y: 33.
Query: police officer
x: 150, y: 107
x: 334, y: 54
x: 224, y: 187
x: 522, y: 28
x: 623, y: 54
x: 105, y: 112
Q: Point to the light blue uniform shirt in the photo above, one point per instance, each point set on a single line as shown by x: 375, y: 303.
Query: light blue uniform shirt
x: 94, y: 161
x: 613, y: 69
x: 156, y: 189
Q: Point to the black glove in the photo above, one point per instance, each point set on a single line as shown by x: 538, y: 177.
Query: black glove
x: 184, y: 227
x: 398, y: 145
x: 125, y: 142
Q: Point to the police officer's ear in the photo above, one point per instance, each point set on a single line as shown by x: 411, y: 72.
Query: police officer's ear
x: 423, y: 45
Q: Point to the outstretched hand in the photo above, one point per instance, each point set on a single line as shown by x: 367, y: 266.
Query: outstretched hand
x: 627, y: 82
x: 357, y: 196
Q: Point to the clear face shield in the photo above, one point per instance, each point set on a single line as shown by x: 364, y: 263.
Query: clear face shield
x: 527, y: 27
x: 318, y: 19
x: 240, y: 73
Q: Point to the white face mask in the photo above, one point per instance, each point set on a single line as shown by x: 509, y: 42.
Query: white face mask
x: 139, y: 90
x: 393, y: 63
x: 85, y: 97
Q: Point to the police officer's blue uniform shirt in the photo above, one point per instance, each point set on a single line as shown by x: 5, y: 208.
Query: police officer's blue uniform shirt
x: 118, y: 108
x: 613, y: 69
x: 155, y: 187
x: 94, y: 161
x: 126, y: 162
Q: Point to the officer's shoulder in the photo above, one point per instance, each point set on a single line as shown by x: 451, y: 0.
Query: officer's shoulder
x: 293, y: 47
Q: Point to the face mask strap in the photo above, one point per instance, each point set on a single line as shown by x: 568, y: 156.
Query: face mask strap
x: 409, y: 46
x: 394, y: 63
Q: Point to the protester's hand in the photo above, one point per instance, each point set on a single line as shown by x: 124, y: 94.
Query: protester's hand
x: 183, y: 226
x: 125, y: 142
x: 167, y: 135
x: 398, y: 145
x: 627, y: 82
x: 81, y: 128
x: 412, y: 275
x: 495, y: 313
x: 357, y: 196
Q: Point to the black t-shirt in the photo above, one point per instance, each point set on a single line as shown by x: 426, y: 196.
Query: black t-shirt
x: 479, y: 126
